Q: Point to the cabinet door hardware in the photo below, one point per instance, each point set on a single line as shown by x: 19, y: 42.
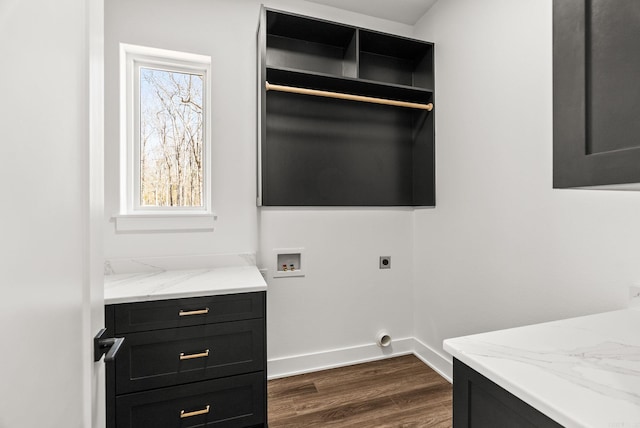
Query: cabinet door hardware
x: 204, y: 411
x: 184, y: 313
x: 184, y: 356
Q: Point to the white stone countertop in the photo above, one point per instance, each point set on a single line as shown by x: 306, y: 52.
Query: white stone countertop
x: 174, y: 284
x: 580, y: 372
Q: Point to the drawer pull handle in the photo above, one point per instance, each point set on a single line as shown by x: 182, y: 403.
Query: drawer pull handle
x: 204, y: 411
x: 192, y: 356
x: 184, y: 313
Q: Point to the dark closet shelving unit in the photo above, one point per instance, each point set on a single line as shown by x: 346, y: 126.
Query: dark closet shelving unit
x: 322, y: 151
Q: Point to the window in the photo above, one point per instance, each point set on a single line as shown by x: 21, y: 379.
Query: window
x: 165, y: 140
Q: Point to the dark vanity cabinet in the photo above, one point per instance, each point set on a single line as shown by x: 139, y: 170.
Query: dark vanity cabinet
x: 316, y: 148
x: 193, y: 362
x: 480, y: 403
x: 596, y: 94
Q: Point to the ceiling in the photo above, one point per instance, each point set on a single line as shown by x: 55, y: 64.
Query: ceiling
x: 405, y: 11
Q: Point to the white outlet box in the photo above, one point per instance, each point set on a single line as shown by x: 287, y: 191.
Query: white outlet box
x: 289, y: 262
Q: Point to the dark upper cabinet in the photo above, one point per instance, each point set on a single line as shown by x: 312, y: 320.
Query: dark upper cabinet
x: 323, y: 151
x: 596, y: 92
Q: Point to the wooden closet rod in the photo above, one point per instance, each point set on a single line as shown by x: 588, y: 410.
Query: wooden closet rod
x: 339, y: 95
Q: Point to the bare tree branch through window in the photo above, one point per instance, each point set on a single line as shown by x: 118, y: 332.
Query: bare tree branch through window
x: 171, y: 139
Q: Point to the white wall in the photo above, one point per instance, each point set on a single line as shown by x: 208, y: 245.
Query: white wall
x: 503, y: 248
x: 46, y: 361
x: 204, y: 27
x: 345, y: 298
x: 225, y: 30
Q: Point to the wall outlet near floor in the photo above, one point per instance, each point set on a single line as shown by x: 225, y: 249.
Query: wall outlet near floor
x: 385, y: 262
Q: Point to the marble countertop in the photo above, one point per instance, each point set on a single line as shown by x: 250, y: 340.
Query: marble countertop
x: 173, y: 284
x: 580, y: 372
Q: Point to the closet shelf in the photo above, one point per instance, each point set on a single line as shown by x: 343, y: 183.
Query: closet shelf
x: 349, y: 97
x: 349, y: 78
x: 327, y: 82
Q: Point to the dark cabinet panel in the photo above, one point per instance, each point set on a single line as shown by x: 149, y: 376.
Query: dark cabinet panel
x: 480, y: 403
x: 596, y: 99
x: 362, y: 156
x: 392, y: 59
x: 301, y: 55
x: 233, y: 402
x: 309, y: 44
x: 173, y: 313
x: 160, y: 358
x: 613, y: 72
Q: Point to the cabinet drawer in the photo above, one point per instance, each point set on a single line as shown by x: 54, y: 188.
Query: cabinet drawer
x: 161, y: 358
x: 160, y: 314
x: 231, y: 402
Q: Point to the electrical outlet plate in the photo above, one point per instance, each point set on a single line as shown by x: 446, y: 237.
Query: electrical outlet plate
x: 385, y: 262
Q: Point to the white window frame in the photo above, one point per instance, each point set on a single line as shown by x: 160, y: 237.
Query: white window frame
x: 132, y: 216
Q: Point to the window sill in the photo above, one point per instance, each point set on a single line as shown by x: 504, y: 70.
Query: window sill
x: 164, y: 222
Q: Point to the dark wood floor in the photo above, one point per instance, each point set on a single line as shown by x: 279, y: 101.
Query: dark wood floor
x: 396, y: 392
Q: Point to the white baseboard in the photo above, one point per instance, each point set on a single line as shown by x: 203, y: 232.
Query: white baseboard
x: 307, y: 363
x: 438, y: 362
